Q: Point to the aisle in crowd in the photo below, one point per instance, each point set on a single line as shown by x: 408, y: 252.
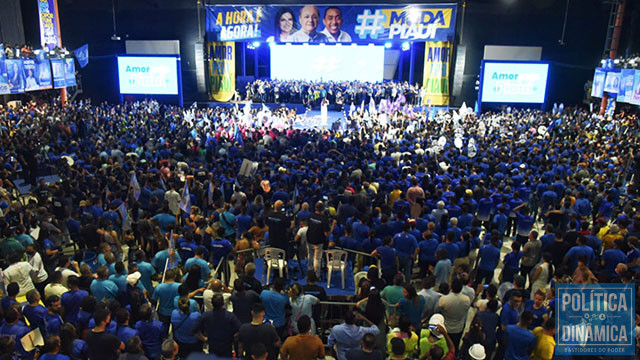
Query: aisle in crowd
x: 168, y: 236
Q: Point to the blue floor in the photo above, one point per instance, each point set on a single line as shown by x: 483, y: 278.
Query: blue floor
x: 336, y: 281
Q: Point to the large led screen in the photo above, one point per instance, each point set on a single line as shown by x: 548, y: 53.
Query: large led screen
x: 327, y: 63
x: 505, y: 82
x: 148, y: 75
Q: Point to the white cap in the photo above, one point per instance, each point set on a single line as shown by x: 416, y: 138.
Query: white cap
x: 133, y: 278
x: 476, y: 351
x: 436, y: 319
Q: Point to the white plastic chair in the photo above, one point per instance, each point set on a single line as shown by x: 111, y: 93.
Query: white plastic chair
x: 274, y: 258
x: 336, y: 260
x: 358, y: 276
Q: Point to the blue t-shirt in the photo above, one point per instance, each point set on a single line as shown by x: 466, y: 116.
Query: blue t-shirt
x: 54, y: 357
x: 165, y: 221
x: 512, y: 260
x: 489, y: 257
x: 576, y: 252
x: 405, y: 244
x: 274, y: 306
x: 71, y: 303
x: 124, y: 333
x: 509, y: 315
x: 151, y: 334
x: 160, y: 261
x: 165, y: 293
x: 193, y: 305
x: 525, y: 223
x: 387, y: 257
x: 147, y: 271
x: 104, y: 289
x: 520, y: 342
x: 451, y: 249
x: 202, y: 264
x: 219, y: 249
x: 612, y: 258
x: 53, y: 323
x: 428, y: 249
x: 183, y: 326
x: 6, y: 302
x: 538, y: 314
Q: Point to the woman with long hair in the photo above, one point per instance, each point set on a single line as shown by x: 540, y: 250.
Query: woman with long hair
x: 301, y: 304
x: 70, y: 345
x: 285, y: 24
x: 374, y: 309
x: 183, y: 321
x: 411, y: 305
x: 542, y: 274
x: 193, y: 278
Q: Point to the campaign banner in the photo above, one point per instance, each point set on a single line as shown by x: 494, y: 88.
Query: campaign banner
x: 597, y: 89
x: 69, y: 72
x: 595, y: 319
x: 331, y: 23
x: 37, y: 74
x: 222, y: 70
x: 635, y: 94
x: 57, y: 65
x: 15, y: 75
x: 626, y: 85
x: 437, y: 64
x: 4, y: 79
x: 612, y: 82
x: 48, y: 16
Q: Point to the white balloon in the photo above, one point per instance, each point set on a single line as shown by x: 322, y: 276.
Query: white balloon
x: 442, y: 141
x: 458, y: 142
x: 542, y: 130
x: 472, y: 151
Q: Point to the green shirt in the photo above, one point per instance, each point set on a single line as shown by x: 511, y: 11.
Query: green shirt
x: 9, y: 246
x: 425, y: 345
x: 393, y: 295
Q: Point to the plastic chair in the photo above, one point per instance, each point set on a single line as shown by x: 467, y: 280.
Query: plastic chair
x: 358, y: 276
x: 274, y: 258
x: 336, y: 260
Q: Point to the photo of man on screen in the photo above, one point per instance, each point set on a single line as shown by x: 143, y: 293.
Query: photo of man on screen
x: 332, y: 21
x: 309, y: 21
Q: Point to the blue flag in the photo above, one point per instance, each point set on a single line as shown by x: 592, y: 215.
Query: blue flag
x: 210, y: 193
x: 82, y: 55
x: 185, y: 201
x: 134, y: 186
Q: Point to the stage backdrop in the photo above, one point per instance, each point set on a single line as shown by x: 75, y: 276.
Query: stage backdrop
x: 327, y: 23
x: 437, y: 63
x: 222, y: 70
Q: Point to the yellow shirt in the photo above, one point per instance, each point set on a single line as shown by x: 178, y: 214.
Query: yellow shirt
x: 394, y: 196
x: 544, y: 345
x: 410, y: 343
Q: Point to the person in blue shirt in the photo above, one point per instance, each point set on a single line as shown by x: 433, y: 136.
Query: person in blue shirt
x: 34, y: 311
x: 151, y: 332
x: 160, y: 262
x: 406, y: 247
x: 411, y: 305
x: 610, y: 260
x: 442, y: 270
x: 537, y: 308
x: 578, y: 251
x: 199, y: 260
x: 103, y: 288
x: 500, y: 220
x: 53, y: 344
x: 388, y: 259
x: 52, y: 319
x: 548, y: 238
x: 123, y: 331
x: 450, y: 246
x: 524, y: 223
x: 275, y: 301
x: 220, y: 248
x: 511, y: 263
x: 427, y: 252
x: 16, y: 329
x: 12, y: 291
x: 228, y: 222
x: 582, y: 205
x: 184, y: 322
x: 71, y: 300
x: 165, y: 220
x: 147, y: 271
x: 165, y: 293
x: 519, y: 340
x: 244, y: 221
x: 606, y: 208
x: 489, y: 256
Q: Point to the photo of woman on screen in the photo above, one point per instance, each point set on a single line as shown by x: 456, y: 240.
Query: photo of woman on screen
x: 285, y: 24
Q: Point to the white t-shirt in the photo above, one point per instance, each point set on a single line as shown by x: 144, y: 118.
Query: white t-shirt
x: 207, y: 295
x: 20, y: 273
x: 36, y: 262
x: 54, y: 289
x: 65, y: 274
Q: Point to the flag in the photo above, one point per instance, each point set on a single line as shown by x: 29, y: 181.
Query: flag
x: 82, y: 55
x: 352, y: 109
x: 123, y: 213
x: 476, y: 108
x: 362, y: 107
x: 372, y: 106
x: 134, y: 186
x: 210, y: 193
x: 185, y: 201
x: 238, y: 136
x: 162, y: 184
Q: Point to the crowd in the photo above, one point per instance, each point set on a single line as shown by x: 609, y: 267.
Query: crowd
x: 146, y: 246
x: 26, y: 51
x: 339, y: 94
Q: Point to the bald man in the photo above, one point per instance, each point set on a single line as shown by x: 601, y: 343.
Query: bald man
x: 309, y: 21
x: 216, y: 287
x: 279, y: 225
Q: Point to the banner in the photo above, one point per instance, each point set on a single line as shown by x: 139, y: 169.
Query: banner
x: 321, y: 23
x: 635, y: 95
x: 222, y: 70
x: 58, y: 73
x: 37, y: 74
x: 82, y: 55
x: 437, y: 61
x: 612, y: 82
x: 597, y: 90
x: 48, y: 16
x: 626, y: 85
x: 69, y: 72
x: 4, y: 79
x: 15, y: 74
